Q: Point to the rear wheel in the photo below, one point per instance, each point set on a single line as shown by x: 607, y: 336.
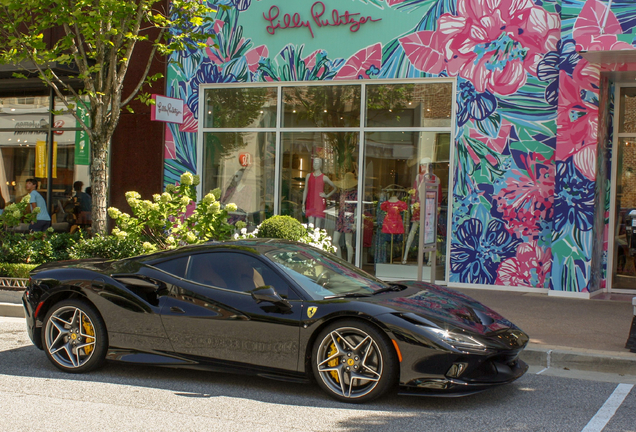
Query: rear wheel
x: 74, y: 336
x: 353, y: 361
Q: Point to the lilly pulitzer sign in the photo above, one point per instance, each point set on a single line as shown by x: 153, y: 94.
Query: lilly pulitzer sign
x: 527, y: 108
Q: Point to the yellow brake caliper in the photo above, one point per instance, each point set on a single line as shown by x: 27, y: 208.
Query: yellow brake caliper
x: 88, y: 328
x: 334, y: 362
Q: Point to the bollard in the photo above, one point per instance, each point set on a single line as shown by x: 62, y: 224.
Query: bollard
x: 631, y: 341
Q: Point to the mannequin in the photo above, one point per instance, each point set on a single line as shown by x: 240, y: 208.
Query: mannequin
x: 314, y: 195
x: 346, y: 214
x: 393, y: 220
x: 424, y: 173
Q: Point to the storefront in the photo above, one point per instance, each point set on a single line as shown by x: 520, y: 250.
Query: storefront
x: 500, y: 100
x: 32, y: 139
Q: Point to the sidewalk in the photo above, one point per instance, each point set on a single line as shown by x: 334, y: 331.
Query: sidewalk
x: 578, y: 334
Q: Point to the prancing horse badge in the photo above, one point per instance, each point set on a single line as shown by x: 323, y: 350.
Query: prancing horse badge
x: 311, y: 310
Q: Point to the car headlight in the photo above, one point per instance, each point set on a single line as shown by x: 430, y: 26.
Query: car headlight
x: 456, y: 340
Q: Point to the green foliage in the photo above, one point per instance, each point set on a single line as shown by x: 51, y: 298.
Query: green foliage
x: 170, y: 220
x: 16, y: 270
x: 36, y: 248
x: 108, y: 247
x: 282, y: 227
x: 16, y: 213
x: 96, y: 40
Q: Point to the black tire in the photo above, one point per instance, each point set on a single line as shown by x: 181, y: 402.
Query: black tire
x: 354, y: 361
x: 74, y: 336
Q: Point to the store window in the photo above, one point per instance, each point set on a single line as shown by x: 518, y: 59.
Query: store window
x: 402, y: 131
x: 27, y: 130
x: 319, y: 183
x: 242, y: 165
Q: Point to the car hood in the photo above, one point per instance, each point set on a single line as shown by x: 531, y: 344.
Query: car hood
x: 443, y: 306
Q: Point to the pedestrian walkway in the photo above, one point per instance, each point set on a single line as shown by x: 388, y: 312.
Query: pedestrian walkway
x: 581, y: 334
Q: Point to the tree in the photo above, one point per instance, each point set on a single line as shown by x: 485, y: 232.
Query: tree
x: 98, y: 39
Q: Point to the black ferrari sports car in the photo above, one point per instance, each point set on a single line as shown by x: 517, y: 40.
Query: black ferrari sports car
x: 273, y: 308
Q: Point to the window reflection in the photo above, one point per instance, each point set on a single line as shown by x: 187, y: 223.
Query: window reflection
x: 242, y: 166
x: 240, y: 108
x: 24, y: 152
x: 409, y: 105
x: 321, y: 106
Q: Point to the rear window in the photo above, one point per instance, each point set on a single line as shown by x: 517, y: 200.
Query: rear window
x: 176, y: 266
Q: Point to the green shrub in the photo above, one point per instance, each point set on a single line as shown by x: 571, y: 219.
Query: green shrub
x: 108, y: 247
x: 36, y: 248
x: 282, y: 227
x: 16, y: 270
x: 174, y: 218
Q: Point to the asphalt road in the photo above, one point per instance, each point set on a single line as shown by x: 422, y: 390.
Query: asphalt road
x: 34, y: 395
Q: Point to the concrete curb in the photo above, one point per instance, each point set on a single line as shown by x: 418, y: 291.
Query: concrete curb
x: 580, y: 359
x: 11, y: 310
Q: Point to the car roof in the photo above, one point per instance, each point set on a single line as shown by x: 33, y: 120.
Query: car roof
x: 257, y: 246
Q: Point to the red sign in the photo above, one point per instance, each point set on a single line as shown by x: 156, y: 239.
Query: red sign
x: 245, y: 159
x: 318, y: 9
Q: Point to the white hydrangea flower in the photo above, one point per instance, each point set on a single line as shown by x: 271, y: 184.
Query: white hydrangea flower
x: 187, y: 178
x: 231, y: 207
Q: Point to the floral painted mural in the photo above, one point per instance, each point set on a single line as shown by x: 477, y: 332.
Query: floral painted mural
x: 526, y: 131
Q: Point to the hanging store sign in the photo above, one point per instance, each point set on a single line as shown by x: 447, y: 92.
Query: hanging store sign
x: 41, y: 159
x: 166, y: 109
x: 319, y: 18
x: 82, y: 143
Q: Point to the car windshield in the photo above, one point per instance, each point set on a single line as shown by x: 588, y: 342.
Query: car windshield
x: 322, y: 275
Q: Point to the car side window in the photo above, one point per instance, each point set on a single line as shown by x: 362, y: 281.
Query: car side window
x: 234, y: 271
x: 176, y: 267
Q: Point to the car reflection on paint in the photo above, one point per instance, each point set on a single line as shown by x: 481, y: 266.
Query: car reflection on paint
x: 274, y: 308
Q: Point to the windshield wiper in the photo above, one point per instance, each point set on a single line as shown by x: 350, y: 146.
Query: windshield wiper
x: 345, y: 295
x: 393, y: 287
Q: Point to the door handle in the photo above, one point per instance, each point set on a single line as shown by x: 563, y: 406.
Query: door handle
x: 176, y: 309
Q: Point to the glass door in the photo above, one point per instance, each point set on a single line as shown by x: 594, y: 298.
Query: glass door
x: 624, y: 253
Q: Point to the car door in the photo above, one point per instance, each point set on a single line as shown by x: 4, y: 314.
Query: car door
x: 211, y: 312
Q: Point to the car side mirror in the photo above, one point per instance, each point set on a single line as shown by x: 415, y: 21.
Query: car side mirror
x: 267, y: 293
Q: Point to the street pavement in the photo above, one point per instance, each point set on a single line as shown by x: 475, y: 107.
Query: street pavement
x: 34, y: 395
x: 565, y: 333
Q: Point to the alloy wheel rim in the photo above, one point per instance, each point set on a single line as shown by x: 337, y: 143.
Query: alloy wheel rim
x: 349, y: 362
x: 70, y: 337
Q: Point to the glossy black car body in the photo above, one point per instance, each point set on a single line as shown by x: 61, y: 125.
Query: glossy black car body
x: 154, y: 312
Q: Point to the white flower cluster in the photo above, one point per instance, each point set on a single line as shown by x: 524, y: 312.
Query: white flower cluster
x: 316, y: 237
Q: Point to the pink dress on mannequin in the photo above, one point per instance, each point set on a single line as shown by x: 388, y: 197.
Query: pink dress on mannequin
x: 393, y: 221
x: 315, y: 205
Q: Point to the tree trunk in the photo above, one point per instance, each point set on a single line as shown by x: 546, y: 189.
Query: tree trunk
x: 99, y: 184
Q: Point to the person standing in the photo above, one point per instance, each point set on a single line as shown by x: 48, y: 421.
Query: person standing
x: 43, y: 219
x: 82, y: 204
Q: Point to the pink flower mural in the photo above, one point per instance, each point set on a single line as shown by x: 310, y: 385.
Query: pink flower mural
x: 493, y: 44
x: 528, y: 197
x: 596, y: 29
x: 360, y: 64
x: 530, y: 267
x: 577, y: 118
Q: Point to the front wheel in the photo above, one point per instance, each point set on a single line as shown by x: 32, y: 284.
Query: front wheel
x: 74, y: 336
x: 353, y: 361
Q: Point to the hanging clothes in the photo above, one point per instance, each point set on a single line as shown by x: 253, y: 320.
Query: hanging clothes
x: 315, y: 204
x: 393, y: 223
x: 347, y: 211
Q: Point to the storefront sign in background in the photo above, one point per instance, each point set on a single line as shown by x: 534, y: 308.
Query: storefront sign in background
x: 166, y: 109
x: 41, y: 159
x: 82, y: 143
